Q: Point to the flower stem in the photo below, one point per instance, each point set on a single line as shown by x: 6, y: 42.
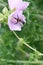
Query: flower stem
x: 16, y: 35
x: 33, y: 49
x: 20, y: 61
x: 40, y: 54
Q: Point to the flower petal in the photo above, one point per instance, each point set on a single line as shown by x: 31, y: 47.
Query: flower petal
x: 23, y: 5
x: 13, y: 26
x: 22, y: 17
x: 13, y: 3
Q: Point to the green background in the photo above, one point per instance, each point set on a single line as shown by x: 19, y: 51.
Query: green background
x: 32, y: 32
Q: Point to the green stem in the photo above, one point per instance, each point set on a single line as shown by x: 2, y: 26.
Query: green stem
x: 18, y: 61
x: 27, y: 44
x: 33, y: 49
x: 16, y: 35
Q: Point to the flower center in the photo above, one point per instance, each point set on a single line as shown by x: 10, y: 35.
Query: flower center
x: 16, y: 20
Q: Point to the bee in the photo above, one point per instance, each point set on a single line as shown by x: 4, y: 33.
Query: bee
x: 18, y: 20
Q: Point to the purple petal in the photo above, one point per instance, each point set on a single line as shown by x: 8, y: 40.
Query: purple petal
x: 22, y: 17
x: 13, y: 26
x: 23, y: 5
x: 13, y: 3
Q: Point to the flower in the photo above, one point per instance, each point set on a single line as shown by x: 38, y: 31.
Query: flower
x: 12, y: 22
x: 16, y: 19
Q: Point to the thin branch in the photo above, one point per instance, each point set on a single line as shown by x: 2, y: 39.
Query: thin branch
x: 18, y: 61
x: 16, y: 35
x: 39, y: 53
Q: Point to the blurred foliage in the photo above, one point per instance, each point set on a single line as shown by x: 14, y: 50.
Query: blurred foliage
x: 32, y: 32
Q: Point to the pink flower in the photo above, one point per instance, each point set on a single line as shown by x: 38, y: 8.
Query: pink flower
x: 17, y: 19
x: 13, y: 23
